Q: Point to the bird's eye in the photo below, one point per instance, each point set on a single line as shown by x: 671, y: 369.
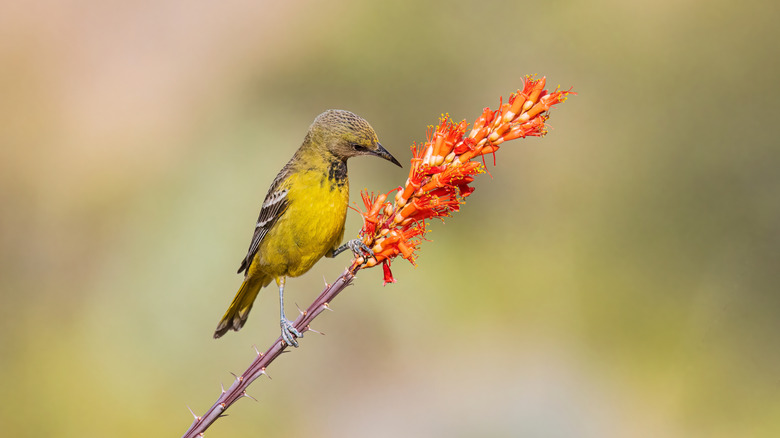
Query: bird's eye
x: 359, y: 148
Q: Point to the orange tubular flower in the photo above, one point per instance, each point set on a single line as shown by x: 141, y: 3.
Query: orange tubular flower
x: 442, y: 169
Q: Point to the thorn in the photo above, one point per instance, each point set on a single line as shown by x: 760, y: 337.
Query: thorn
x: 324, y: 280
x: 256, y: 350
x: 262, y: 371
x: 249, y: 396
x: 309, y: 329
x: 326, y: 306
x: 302, y: 312
x: 223, y: 387
x: 193, y: 413
x: 238, y: 378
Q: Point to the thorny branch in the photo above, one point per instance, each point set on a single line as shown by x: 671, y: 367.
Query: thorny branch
x: 237, y: 390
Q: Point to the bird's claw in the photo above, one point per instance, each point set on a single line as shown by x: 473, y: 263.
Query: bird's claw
x: 360, y: 249
x: 289, y: 333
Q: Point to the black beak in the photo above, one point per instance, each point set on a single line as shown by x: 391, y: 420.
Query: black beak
x: 382, y: 152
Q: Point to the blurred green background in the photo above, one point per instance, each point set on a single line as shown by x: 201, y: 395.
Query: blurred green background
x: 618, y: 278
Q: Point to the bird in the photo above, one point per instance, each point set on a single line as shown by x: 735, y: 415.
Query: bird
x: 303, y: 214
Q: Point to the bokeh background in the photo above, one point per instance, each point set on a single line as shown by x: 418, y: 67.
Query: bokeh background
x: 617, y: 278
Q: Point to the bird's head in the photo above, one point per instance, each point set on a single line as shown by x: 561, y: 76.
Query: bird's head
x: 345, y: 134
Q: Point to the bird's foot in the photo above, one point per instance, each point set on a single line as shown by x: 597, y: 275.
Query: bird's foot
x: 289, y: 333
x: 360, y: 249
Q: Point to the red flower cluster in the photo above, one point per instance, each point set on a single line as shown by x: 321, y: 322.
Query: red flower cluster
x: 442, y: 169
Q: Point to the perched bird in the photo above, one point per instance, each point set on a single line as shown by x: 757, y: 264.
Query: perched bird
x: 303, y: 214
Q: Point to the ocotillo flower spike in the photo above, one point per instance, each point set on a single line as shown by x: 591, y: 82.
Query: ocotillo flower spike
x: 442, y: 169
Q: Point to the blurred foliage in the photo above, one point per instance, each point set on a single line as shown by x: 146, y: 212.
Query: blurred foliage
x: 616, y: 278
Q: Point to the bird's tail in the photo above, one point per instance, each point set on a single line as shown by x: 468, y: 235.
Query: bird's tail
x: 237, y: 313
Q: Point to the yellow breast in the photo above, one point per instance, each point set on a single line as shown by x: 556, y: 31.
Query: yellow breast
x: 312, y: 225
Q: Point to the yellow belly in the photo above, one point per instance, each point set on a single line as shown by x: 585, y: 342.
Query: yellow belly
x: 312, y: 225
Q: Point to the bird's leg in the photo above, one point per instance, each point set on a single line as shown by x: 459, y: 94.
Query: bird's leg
x: 289, y: 333
x: 358, y: 248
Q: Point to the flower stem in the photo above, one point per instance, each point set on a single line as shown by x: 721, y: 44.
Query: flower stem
x: 258, y: 366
